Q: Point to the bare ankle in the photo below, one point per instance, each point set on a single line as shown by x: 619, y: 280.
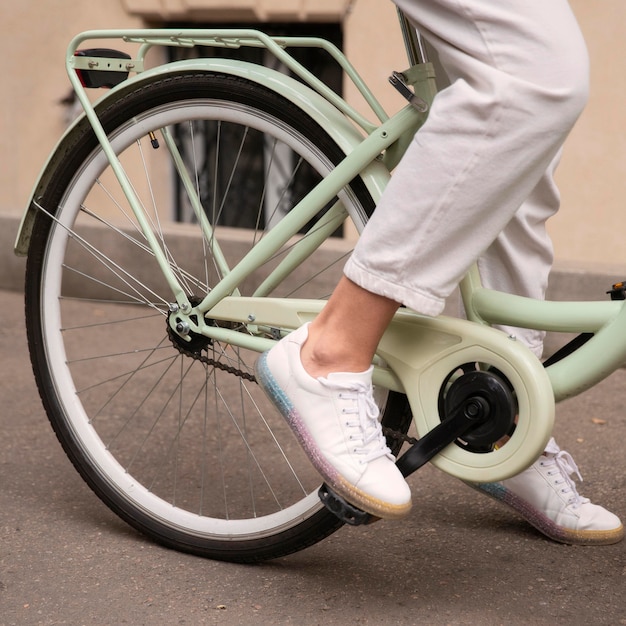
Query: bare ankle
x: 344, y: 336
x: 325, y: 353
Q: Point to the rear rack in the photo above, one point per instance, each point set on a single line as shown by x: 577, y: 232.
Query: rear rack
x: 221, y: 38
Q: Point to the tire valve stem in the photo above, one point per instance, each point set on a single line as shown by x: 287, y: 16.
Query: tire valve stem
x: 153, y: 140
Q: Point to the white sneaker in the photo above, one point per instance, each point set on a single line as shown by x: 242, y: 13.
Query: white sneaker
x: 546, y: 496
x: 336, y: 421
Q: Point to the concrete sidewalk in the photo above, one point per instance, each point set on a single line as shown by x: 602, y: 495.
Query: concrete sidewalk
x: 460, y: 558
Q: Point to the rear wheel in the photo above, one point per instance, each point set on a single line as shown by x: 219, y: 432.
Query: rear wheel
x: 179, y: 440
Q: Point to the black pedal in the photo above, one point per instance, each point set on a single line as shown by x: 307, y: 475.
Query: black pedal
x: 345, y: 511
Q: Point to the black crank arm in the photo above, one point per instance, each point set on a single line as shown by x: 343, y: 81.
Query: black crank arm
x: 469, y: 414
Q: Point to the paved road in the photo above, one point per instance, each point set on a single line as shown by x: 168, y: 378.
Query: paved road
x: 459, y: 558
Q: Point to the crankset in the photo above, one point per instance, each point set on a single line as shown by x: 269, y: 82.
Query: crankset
x: 478, y: 410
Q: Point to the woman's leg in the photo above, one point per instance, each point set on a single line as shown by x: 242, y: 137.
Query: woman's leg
x: 518, y: 72
x: 545, y: 494
x: 519, y: 79
x: 519, y: 261
x: 343, y: 338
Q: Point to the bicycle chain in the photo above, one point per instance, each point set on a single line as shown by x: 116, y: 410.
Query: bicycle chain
x: 198, y: 356
x: 399, y: 436
x: 229, y: 369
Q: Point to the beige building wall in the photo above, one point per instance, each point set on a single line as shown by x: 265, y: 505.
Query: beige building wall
x: 592, y: 175
x: 589, y: 229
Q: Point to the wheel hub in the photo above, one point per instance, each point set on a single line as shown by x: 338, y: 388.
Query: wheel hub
x: 184, y: 340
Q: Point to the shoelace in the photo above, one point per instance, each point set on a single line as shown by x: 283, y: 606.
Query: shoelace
x: 566, y: 466
x: 373, y: 442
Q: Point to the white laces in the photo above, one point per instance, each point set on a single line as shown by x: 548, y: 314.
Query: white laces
x: 565, y: 467
x: 365, y: 429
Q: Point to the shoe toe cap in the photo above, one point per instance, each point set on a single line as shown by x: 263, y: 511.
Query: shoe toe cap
x: 595, y: 517
x: 384, y: 481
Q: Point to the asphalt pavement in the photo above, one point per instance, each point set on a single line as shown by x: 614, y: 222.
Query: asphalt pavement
x: 460, y: 558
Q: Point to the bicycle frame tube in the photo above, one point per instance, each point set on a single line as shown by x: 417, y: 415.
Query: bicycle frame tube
x: 581, y: 369
x: 413, y: 43
x: 587, y: 365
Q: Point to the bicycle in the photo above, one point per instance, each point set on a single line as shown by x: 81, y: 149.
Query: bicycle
x: 143, y: 332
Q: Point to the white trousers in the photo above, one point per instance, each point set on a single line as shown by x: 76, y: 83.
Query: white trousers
x: 477, y: 184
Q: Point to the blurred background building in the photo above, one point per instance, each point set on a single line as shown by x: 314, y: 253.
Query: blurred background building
x: 35, y: 105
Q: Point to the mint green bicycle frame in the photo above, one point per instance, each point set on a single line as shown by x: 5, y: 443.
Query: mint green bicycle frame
x: 372, y: 149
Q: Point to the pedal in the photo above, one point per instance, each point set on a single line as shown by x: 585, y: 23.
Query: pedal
x: 346, y: 512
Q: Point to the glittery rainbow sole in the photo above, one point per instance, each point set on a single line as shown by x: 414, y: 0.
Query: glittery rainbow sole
x: 544, y: 524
